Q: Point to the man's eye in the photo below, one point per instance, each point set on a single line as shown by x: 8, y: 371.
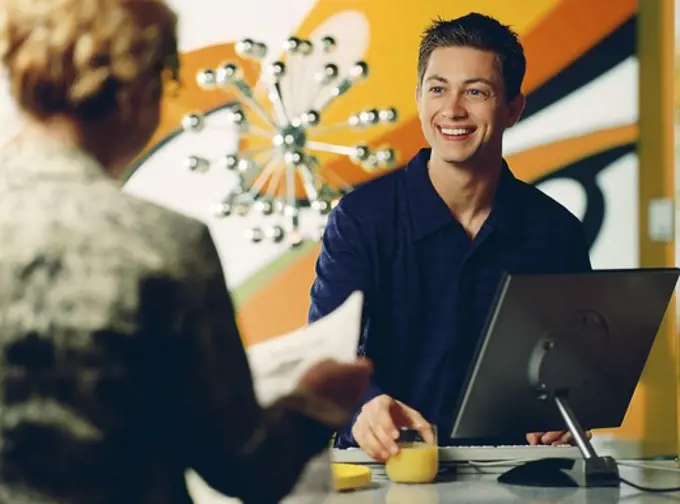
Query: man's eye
x: 478, y: 94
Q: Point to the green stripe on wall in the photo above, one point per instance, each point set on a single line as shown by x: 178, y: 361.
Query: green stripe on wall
x: 259, y: 279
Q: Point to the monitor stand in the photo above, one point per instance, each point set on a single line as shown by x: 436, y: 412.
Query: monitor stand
x: 551, y: 371
x: 591, y: 470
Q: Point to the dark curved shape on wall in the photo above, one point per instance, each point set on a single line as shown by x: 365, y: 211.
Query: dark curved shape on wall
x: 615, y: 48
x: 585, y: 171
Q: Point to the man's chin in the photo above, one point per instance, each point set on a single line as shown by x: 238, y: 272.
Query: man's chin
x: 449, y: 155
x: 456, y: 160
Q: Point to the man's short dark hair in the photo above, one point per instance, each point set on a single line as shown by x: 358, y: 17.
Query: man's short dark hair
x: 481, y: 32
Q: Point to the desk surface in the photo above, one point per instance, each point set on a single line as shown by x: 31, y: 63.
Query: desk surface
x: 475, y: 487
x: 483, y: 488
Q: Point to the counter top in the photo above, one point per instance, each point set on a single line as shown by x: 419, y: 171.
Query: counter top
x: 480, y: 485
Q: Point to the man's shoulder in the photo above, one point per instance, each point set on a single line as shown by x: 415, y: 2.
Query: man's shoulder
x: 540, y: 206
x: 374, y: 197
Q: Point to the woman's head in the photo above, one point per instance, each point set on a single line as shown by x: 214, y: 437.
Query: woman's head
x: 89, y: 61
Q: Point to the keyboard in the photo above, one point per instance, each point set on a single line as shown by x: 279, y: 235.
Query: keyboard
x: 463, y: 454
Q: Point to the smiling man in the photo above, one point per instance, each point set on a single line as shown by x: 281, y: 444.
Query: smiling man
x: 429, y: 243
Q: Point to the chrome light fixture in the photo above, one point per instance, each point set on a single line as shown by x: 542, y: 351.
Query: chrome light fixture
x: 268, y: 174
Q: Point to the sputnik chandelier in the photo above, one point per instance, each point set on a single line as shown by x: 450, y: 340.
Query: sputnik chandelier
x: 268, y: 174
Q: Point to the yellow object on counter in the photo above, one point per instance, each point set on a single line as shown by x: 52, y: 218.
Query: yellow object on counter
x: 350, y: 477
x: 415, y: 463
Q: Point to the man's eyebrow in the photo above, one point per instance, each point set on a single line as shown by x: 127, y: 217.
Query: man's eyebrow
x: 479, y: 80
x: 474, y: 80
x: 437, y: 78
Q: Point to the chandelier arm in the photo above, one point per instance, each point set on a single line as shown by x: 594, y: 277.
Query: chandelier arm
x: 308, y: 183
x: 262, y: 177
x: 275, y: 182
x: 276, y: 99
x: 344, y: 150
x: 246, y: 93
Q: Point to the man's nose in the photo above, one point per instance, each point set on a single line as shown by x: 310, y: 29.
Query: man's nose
x: 456, y: 107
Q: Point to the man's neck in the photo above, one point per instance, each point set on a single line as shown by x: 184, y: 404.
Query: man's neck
x: 468, y: 191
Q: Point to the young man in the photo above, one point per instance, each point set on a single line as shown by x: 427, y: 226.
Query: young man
x: 428, y: 244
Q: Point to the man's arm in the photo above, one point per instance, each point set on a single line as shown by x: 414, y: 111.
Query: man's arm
x: 343, y: 267
x: 239, y: 448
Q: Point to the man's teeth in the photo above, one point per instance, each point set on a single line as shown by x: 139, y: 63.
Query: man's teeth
x: 456, y: 131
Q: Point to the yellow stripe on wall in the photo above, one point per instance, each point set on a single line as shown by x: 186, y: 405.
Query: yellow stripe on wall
x: 657, y: 401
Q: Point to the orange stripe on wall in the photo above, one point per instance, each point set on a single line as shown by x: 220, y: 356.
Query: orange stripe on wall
x: 545, y: 159
x: 275, y: 309
x: 568, y: 31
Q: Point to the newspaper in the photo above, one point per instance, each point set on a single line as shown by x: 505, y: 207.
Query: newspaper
x: 277, y: 365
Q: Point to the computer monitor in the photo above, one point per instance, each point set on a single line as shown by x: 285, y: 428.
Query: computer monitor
x: 563, y: 351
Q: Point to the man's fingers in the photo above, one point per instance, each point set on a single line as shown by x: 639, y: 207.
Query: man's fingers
x: 376, y: 432
x: 369, y: 443
x: 407, y: 416
x: 384, y: 432
x: 413, y: 419
x: 382, y: 425
x: 550, y: 437
x: 566, y: 439
x: 534, y: 438
x: 427, y: 433
x: 381, y: 419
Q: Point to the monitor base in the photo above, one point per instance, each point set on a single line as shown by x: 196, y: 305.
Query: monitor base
x: 564, y: 472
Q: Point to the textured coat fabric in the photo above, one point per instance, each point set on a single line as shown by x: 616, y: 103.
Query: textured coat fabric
x: 121, y: 365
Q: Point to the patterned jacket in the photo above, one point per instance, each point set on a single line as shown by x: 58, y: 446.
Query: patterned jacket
x: 121, y: 365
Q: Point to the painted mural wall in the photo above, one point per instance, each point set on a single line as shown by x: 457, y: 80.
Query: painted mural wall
x: 576, y: 140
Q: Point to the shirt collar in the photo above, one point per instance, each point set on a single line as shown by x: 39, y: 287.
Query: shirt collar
x: 429, y: 213
x: 427, y: 210
x: 506, y: 210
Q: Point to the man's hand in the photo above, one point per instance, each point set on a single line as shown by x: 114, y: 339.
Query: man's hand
x: 377, y: 426
x: 552, y: 438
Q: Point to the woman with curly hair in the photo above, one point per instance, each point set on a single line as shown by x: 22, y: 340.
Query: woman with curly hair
x: 121, y: 364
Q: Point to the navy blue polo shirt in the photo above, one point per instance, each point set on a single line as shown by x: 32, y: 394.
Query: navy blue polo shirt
x: 428, y: 287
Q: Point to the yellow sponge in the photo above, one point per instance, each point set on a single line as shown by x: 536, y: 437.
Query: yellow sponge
x: 350, y: 477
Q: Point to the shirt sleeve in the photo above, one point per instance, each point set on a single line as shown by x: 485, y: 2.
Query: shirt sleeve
x: 237, y: 447
x: 343, y: 266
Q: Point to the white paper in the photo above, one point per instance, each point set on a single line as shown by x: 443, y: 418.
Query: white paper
x: 277, y: 364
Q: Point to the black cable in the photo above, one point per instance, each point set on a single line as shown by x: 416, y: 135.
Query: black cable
x: 649, y: 489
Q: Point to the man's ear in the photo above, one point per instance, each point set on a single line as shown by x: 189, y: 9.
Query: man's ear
x: 515, y: 108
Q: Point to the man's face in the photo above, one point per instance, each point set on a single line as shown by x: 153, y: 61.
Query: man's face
x: 462, y: 106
